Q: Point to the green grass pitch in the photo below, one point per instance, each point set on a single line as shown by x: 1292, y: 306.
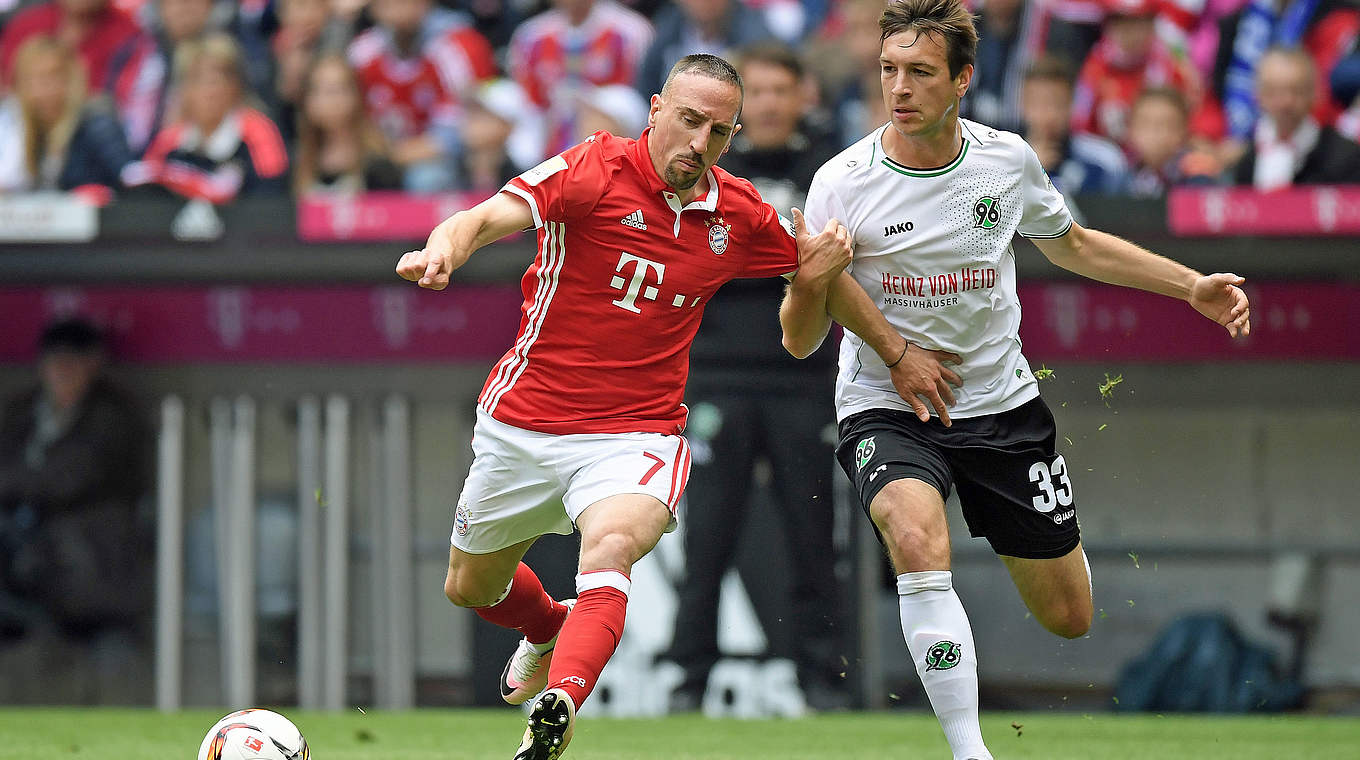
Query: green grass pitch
x: 100, y: 734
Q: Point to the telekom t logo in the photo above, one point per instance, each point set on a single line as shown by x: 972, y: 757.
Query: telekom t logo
x: 634, y: 286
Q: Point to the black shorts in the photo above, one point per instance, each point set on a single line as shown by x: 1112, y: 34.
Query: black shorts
x: 1013, y: 485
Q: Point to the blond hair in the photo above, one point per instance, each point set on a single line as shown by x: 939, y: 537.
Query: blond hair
x: 41, y: 144
x: 216, y: 48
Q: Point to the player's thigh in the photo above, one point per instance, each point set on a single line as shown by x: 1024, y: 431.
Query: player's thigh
x: 478, y: 580
x: 902, y: 479
x: 1013, y: 484
x: 599, y: 467
x: 512, y: 493
x: 1057, y: 591
x: 909, y: 515
x: 618, y: 530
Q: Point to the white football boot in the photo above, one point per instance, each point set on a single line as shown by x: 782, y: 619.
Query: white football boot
x: 526, y: 672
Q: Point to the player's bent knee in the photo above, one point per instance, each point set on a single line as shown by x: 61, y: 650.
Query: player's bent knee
x: 616, y: 551
x: 464, y: 593
x: 918, y: 547
x: 1071, y: 623
x: 1074, y: 627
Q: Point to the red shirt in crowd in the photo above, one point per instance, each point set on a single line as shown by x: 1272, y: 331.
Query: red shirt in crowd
x: 614, y: 297
x: 111, y: 30
x: 407, y: 96
x: 1107, y: 87
x: 554, y: 61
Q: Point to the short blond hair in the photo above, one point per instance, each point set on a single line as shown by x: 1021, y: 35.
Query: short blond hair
x: 216, y: 48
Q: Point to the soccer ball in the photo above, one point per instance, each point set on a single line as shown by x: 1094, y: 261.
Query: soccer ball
x: 253, y: 735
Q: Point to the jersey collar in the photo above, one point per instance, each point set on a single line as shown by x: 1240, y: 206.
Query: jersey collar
x: 911, y: 171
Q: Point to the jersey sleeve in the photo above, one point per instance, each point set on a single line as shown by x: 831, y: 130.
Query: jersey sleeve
x: 823, y: 205
x: 566, y: 186
x: 1045, y: 212
x: 772, y: 251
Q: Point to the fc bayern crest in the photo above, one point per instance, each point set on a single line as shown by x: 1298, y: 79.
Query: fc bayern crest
x: 461, y: 523
x: 718, y: 234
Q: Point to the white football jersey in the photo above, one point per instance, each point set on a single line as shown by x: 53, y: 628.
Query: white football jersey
x: 933, y: 250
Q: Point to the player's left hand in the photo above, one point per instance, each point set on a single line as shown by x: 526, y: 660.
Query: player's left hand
x: 1218, y: 297
x: 823, y: 256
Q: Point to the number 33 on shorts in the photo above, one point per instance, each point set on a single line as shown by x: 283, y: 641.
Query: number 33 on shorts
x: 1055, y: 489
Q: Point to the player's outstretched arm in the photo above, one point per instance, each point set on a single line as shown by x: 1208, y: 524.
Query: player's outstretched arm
x: 453, y: 241
x: 1104, y: 257
x: 821, y: 258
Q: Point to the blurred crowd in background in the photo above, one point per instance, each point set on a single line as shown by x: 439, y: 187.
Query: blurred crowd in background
x: 213, y: 100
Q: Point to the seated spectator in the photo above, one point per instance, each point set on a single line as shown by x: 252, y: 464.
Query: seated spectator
x: 1324, y: 29
x: 1077, y: 163
x: 75, y: 463
x: 1159, y: 145
x: 1008, y: 32
x: 140, y: 73
x: 1290, y: 147
x: 699, y: 26
x: 1128, y: 58
x: 496, y: 131
x: 415, y: 65
x: 220, y: 147
x: 302, y: 26
x: 577, y: 44
x: 339, y: 149
x: 95, y: 28
x: 848, y: 69
x: 50, y: 137
x: 615, y: 108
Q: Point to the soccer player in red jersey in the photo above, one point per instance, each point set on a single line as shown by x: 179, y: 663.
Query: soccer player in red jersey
x: 585, y: 412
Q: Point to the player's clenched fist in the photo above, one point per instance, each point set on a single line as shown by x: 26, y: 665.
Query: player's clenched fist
x: 427, y: 269
x: 822, y: 256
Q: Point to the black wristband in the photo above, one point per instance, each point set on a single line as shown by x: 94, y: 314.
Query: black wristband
x: 898, y: 360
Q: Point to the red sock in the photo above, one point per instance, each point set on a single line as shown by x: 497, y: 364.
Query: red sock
x: 527, y: 608
x: 588, y: 638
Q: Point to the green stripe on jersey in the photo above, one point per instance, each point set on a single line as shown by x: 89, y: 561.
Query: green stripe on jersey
x: 900, y: 169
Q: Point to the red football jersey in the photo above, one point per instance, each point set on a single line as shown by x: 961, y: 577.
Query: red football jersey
x: 407, y: 96
x: 614, y: 296
x: 554, y: 61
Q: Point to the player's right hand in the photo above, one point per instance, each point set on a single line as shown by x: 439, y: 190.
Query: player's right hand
x: 922, y: 376
x: 425, y: 268
x: 823, y: 256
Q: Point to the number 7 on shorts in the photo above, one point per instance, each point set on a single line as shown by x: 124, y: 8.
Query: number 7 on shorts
x: 659, y: 464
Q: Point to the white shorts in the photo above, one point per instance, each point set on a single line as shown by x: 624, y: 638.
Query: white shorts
x: 524, y: 484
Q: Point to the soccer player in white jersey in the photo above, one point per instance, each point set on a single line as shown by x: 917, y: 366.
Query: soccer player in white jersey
x: 578, y: 425
x: 932, y: 202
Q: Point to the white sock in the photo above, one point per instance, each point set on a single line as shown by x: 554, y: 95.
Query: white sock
x: 940, y: 641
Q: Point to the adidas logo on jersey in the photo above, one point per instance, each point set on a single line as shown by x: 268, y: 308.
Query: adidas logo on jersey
x: 634, y: 220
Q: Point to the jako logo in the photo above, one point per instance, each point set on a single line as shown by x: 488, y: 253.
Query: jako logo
x: 894, y: 229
